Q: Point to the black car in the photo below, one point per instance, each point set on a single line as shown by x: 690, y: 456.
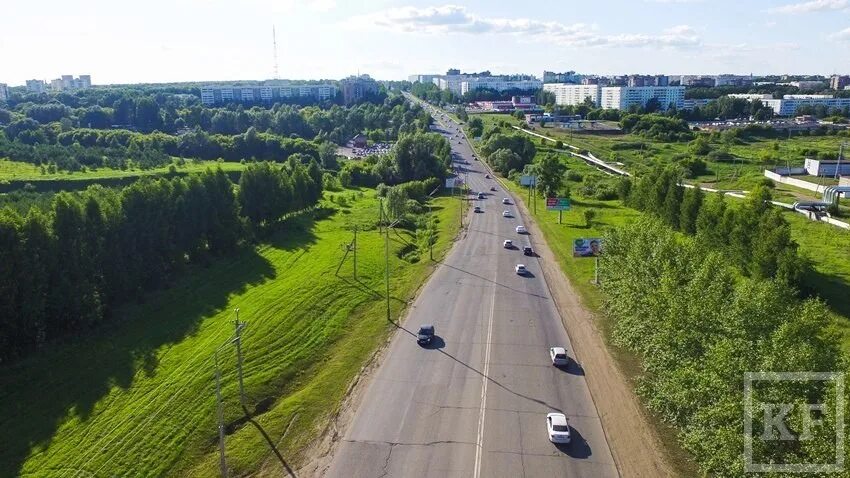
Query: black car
x: 425, y: 335
x: 528, y: 251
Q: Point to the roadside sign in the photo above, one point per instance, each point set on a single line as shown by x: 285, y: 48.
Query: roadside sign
x: 455, y: 182
x: 528, y: 180
x: 558, y: 204
x: 587, y: 247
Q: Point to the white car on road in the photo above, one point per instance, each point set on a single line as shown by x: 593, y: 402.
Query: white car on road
x: 521, y: 230
x: 506, y: 213
x: 558, y: 427
x: 559, y: 356
x: 506, y: 201
x: 508, y: 244
x: 520, y: 269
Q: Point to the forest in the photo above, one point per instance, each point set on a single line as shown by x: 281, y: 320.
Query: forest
x: 123, y: 127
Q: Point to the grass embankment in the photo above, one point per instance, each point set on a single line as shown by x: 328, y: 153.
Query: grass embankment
x: 20, y: 171
x: 138, y: 397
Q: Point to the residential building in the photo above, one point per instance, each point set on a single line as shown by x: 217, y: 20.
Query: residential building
x: 450, y: 82
x: 733, y: 80
x: 624, y: 97
x: 36, y: 86
x: 787, y: 106
x: 4, y: 92
x: 422, y: 78
x: 217, y: 94
x: 695, y: 80
x: 838, y: 82
x: 751, y: 96
x: 68, y: 82
x: 567, y: 77
x: 355, y: 88
x: 647, y: 80
x: 689, y: 104
x: 573, y: 94
x: 806, y: 85
x: 499, y: 83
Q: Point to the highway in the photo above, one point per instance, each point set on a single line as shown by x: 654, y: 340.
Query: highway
x: 474, y: 403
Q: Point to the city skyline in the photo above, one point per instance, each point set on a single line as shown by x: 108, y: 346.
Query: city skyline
x: 389, y: 40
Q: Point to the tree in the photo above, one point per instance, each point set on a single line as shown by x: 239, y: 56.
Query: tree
x: 395, y: 204
x: 504, y: 161
x: 589, y: 216
x: 475, y: 127
x: 672, y: 207
x: 691, y: 204
x: 550, y: 175
x: 462, y: 114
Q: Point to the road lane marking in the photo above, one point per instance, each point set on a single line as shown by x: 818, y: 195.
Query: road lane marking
x: 479, y: 450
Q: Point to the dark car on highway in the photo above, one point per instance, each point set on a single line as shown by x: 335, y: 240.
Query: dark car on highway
x: 425, y: 335
x: 528, y: 251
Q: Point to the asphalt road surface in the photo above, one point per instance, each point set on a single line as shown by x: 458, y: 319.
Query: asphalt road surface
x: 474, y: 403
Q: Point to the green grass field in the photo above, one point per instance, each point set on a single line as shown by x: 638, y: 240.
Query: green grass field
x: 137, y: 397
x: 19, y: 171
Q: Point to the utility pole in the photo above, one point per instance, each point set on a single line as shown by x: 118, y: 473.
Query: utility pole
x: 838, y: 164
x: 222, y: 460
x: 238, y: 341
x: 431, y: 224
x: 355, y: 252
x: 387, y: 268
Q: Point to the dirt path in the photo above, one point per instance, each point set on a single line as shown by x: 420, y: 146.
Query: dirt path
x: 636, y: 448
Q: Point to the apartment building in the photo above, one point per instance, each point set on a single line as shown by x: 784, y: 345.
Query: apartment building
x: 499, y: 83
x: 422, y: 78
x: 214, y: 94
x: 566, y: 94
x: 68, y: 82
x: 355, y: 88
x: 566, y: 77
x: 36, y: 86
x: 4, y: 92
x: 839, y: 82
x: 787, y: 106
x: 450, y: 82
x: 624, y: 97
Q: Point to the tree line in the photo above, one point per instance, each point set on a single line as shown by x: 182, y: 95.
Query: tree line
x: 698, y: 326
x: 65, y: 269
x: 232, y: 133
x: 414, y: 157
x: 752, y: 235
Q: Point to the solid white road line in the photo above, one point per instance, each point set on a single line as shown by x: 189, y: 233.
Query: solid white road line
x: 479, y: 450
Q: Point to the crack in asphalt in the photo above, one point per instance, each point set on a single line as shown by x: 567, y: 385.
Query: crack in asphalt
x: 393, y: 444
x: 385, y: 468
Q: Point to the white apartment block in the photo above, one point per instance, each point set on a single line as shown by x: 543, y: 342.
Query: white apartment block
x: 624, y: 97
x: 498, y: 83
x: 451, y: 83
x: 788, y: 105
x: 211, y: 95
x: 4, y: 92
x: 68, y: 82
x: 567, y: 94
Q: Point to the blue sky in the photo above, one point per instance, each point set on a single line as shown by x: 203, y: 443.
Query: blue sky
x: 119, y: 41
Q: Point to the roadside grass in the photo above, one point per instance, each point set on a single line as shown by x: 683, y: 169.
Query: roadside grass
x: 137, y: 397
x: 20, y: 171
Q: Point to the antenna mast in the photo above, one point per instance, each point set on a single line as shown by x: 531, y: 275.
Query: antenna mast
x: 274, y: 47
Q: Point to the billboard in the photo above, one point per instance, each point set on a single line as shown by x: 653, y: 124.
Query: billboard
x: 528, y: 180
x: 587, y: 247
x: 558, y: 204
x: 455, y: 182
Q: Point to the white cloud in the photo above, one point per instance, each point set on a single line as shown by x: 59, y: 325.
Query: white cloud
x: 843, y: 35
x: 811, y: 6
x: 455, y: 19
x: 674, y: 1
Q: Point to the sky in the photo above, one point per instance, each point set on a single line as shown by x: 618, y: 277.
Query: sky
x: 158, y: 41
